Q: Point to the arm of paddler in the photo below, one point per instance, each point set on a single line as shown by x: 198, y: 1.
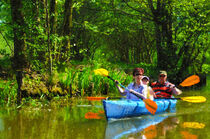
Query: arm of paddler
x: 175, y: 90
x: 122, y: 92
x: 148, y: 92
x: 151, y: 94
x: 137, y: 94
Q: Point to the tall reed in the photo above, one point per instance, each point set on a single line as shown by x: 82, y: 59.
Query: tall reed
x: 8, y: 92
x: 86, y: 83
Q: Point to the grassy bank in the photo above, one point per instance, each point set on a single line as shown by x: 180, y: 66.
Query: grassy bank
x: 75, y: 79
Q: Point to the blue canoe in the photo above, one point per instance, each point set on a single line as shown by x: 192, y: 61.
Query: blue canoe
x: 128, y: 108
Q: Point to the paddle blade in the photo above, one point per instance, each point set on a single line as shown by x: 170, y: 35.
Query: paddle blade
x: 102, y: 72
x: 151, y: 106
x: 194, y: 79
x: 194, y: 99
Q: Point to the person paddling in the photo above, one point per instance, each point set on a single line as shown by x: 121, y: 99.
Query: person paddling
x: 136, y: 85
x: 163, y: 88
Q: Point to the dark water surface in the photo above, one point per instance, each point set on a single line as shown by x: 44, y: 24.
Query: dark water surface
x: 82, y: 119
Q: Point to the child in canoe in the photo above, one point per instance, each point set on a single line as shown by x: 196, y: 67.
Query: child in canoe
x: 147, y: 91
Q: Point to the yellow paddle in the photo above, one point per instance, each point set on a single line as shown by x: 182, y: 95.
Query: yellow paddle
x: 192, y: 99
x: 150, y: 105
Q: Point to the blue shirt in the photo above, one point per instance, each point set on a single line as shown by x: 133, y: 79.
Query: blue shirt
x: 137, y: 88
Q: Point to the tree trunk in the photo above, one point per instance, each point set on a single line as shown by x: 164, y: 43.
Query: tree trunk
x: 163, y: 29
x: 160, y: 56
x: 53, y: 16
x: 19, y: 62
x: 53, y: 25
x: 67, y: 29
x: 48, y: 37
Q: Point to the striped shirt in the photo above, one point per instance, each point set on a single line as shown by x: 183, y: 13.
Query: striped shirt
x: 162, y: 90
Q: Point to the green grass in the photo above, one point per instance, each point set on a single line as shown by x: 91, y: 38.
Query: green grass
x: 84, y: 80
x: 8, y: 92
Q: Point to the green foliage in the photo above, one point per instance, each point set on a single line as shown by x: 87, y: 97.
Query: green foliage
x: 191, y: 36
x: 5, y: 63
x: 115, y: 35
x: 84, y: 82
x: 114, y: 30
x: 8, y: 92
x: 4, y: 47
x: 206, y: 68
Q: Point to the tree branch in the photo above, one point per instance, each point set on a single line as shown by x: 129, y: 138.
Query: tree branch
x: 140, y: 11
x: 143, y: 17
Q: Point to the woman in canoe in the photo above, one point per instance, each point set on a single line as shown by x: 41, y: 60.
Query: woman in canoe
x: 163, y: 88
x: 136, y: 86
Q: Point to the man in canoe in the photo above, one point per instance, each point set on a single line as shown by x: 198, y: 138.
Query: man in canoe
x: 163, y: 88
x: 134, y: 86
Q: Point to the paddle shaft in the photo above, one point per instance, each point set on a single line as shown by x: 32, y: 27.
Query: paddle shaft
x: 101, y: 98
x: 133, y: 92
x: 169, y: 98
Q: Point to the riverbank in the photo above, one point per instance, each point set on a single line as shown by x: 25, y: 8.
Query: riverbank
x: 72, y: 80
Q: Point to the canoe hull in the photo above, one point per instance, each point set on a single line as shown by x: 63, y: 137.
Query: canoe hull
x: 128, y: 108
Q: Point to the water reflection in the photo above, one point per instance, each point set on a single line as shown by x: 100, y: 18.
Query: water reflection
x: 187, y: 135
x: 195, y: 125
x: 51, y: 122
x: 1, y: 125
x: 149, y: 126
x: 68, y: 121
x: 92, y: 115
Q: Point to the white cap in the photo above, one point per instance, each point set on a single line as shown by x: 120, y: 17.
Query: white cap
x: 145, y: 77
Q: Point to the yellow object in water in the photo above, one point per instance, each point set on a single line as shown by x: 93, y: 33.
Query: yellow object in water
x: 193, y: 125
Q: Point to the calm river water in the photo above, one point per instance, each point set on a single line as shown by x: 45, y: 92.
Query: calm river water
x: 83, y: 119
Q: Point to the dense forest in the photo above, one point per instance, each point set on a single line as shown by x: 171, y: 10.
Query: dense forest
x: 51, y: 47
